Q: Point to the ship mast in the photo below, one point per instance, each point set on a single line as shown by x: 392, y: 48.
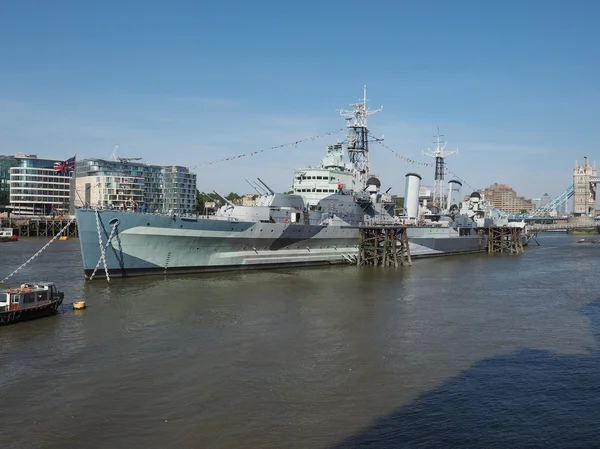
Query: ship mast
x: 439, y: 154
x: 357, y: 141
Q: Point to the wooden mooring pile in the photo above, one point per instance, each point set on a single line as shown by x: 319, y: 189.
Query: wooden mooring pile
x: 383, y: 246
x: 39, y: 227
x: 505, y: 240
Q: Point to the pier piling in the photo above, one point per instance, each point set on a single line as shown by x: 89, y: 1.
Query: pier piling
x: 505, y: 240
x: 385, y: 246
x: 39, y: 227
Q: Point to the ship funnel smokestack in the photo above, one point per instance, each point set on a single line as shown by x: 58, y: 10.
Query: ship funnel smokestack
x: 454, y: 193
x: 411, y: 195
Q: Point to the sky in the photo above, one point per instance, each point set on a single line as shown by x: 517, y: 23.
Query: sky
x: 513, y: 85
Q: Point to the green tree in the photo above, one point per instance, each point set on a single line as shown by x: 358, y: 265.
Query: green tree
x: 233, y: 196
x: 201, y: 200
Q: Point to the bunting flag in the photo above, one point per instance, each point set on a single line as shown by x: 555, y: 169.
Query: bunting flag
x: 405, y: 159
x: 284, y: 145
x: 426, y: 164
x: 459, y: 178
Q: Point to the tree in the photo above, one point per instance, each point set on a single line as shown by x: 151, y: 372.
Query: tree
x: 233, y: 196
x: 201, y: 200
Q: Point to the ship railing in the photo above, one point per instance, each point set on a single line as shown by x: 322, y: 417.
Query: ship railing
x: 138, y: 212
x: 381, y: 223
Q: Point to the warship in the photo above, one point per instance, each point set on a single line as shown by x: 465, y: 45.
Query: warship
x: 316, y: 223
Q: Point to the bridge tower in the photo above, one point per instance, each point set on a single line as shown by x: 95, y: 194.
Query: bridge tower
x: 584, y: 200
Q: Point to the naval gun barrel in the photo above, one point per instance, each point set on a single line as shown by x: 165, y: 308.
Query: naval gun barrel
x: 266, y: 186
x: 255, y: 187
x: 223, y: 198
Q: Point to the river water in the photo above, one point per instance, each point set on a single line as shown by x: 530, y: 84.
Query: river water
x: 466, y: 351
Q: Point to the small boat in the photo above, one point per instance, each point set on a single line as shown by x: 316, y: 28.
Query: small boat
x: 588, y: 241
x: 6, y: 235
x: 29, y: 301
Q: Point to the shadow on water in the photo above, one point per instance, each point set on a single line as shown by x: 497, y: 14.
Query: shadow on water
x: 527, y: 398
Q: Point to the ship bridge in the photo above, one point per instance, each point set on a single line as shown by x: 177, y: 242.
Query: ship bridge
x: 334, y: 176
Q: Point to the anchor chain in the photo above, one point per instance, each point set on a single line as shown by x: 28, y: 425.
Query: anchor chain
x: 103, y: 248
x: 40, y: 251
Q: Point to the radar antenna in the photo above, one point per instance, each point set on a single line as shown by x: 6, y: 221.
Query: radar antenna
x: 439, y: 154
x: 357, y: 141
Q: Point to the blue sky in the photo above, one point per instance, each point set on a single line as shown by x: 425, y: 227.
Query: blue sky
x: 513, y: 84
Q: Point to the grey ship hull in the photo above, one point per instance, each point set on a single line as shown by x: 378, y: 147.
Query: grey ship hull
x: 157, y: 244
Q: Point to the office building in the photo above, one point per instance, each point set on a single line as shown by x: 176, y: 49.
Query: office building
x: 6, y: 162
x: 545, y: 200
x: 542, y: 201
x: 37, y: 186
x: 505, y: 198
x: 124, y: 184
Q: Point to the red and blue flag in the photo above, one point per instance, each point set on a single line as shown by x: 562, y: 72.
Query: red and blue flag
x: 65, y: 166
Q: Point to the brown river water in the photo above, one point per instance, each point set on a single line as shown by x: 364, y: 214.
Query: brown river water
x: 466, y: 351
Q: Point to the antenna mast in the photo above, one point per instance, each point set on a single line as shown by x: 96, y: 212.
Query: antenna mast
x: 357, y: 141
x: 439, y: 154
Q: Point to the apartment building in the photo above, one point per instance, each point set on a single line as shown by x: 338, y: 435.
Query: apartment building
x: 124, y: 184
x: 506, y: 199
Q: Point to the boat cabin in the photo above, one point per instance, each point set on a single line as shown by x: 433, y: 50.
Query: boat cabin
x: 28, y: 296
x: 6, y: 235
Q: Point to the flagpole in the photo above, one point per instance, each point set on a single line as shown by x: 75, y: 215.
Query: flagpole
x: 73, y: 186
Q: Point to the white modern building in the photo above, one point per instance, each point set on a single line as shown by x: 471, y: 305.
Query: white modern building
x: 127, y: 185
x: 35, y: 188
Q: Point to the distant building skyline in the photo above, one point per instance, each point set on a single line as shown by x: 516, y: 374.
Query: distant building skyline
x: 504, y: 198
x: 541, y: 201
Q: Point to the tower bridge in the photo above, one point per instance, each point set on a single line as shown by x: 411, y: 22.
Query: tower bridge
x: 583, y: 192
